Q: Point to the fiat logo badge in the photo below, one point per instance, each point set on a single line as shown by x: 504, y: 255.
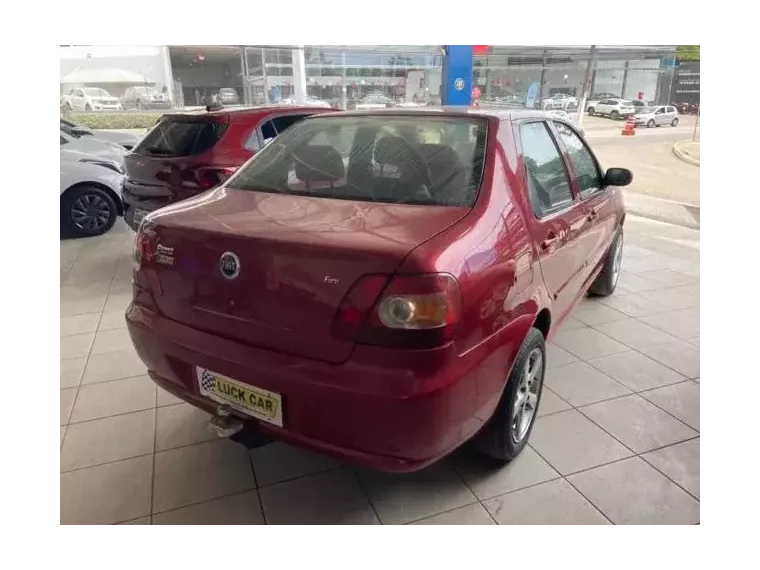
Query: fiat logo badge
x: 229, y: 265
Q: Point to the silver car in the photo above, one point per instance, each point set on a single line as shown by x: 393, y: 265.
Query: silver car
x: 657, y: 116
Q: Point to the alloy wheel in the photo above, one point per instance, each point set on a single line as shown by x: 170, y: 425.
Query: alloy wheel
x: 617, y: 260
x: 526, y: 398
x: 90, y: 213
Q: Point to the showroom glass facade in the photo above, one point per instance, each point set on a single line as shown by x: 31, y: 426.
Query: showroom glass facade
x: 529, y: 74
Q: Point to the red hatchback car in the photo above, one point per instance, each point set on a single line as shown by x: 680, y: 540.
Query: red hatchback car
x: 379, y: 285
x: 188, y: 153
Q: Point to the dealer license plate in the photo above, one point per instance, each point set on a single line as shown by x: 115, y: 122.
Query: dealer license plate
x: 139, y: 215
x: 256, y: 402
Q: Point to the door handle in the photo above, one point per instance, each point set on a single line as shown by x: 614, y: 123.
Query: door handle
x: 593, y: 215
x: 549, y: 241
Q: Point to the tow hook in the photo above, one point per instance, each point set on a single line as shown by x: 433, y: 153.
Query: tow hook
x: 224, y: 424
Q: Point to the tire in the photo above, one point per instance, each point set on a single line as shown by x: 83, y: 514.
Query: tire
x: 650, y: 123
x: 614, y: 115
x: 88, y: 211
x: 503, y: 437
x: 67, y: 106
x: 605, y: 283
x: 87, y: 107
x: 590, y: 111
x: 139, y: 105
x: 674, y: 123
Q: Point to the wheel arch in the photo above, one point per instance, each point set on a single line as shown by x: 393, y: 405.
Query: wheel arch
x: 114, y: 196
x: 543, y: 322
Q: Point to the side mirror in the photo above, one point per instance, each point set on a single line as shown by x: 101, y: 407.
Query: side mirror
x: 618, y: 177
x: 80, y: 131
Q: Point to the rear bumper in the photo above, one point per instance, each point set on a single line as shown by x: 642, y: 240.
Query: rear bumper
x: 351, y: 411
x: 132, y: 202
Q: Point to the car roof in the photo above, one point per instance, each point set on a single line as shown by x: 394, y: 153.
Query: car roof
x: 447, y: 111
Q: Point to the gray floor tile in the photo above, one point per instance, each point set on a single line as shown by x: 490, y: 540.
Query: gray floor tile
x: 592, y: 312
x: 200, y: 472
x: 76, y: 346
x: 672, y: 298
x: 669, y: 278
x: 570, y: 442
x: 679, y: 355
x: 71, y: 307
x: 636, y: 371
x: 469, y: 515
x: 107, y: 494
x: 639, y: 424
x: 278, y: 462
x: 634, y: 333
x: 164, y: 398
x: 580, y: 384
x: 116, y: 397
x: 551, y: 403
x: 112, y: 366
x: 488, y: 479
x: 692, y: 289
x: 554, y: 502
x: 405, y: 497
x: 634, y: 305
x: 141, y: 521
x: 333, y: 497
x: 181, y: 425
x: 242, y: 508
x: 556, y: 356
x: 633, y: 492
x: 112, y: 320
x: 680, y: 462
x: 571, y: 323
x: 694, y: 341
x: 117, y: 302
x: 111, y: 341
x: 67, y: 402
x: 632, y: 283
x: 588, y: 343
x: 681, y: 400
x: 71, y: 372
x: 107, y: 440
x: 79, y: 324
x: 683, y: 323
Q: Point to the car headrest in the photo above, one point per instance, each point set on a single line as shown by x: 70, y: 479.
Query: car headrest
x: 318, y: 163
x: 440, y: 156
x: 395, y: 151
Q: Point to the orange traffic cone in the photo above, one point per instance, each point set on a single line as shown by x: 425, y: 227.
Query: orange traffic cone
x: 629, y: 129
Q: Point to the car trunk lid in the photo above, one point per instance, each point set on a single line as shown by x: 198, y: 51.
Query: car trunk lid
x: 289, y: 261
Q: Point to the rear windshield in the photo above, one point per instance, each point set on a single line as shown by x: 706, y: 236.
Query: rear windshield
x: 400, y: 160
x: 177, y: 137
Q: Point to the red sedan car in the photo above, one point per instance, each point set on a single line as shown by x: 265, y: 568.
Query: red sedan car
x: 188, y: 153
x: 379, y: 285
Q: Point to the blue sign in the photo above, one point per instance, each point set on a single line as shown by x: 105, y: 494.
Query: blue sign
x: 457, y: 75
x: 532, y: 95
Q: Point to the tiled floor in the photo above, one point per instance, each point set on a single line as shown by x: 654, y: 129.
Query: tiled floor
x: 617, y: 440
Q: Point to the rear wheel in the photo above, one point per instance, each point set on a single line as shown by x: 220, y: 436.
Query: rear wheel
x: 88, y: 107
x: 615, y: 115
x: 88, y: 211
x: 674, y: 123
x: 590, y: 111
x: 650, y: 123
x: 507, y: 432
x: 605, y: 283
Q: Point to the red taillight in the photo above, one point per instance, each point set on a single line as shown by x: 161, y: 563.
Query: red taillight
x: 143, y: 249
x: 414, y: 311
x: 208, y: 177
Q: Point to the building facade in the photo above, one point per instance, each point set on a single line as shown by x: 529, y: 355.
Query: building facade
x: 346, y: 76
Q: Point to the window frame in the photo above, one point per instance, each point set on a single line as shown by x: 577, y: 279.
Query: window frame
x: 599, y: 171
x: 559, y: 210
x: 258, y: 129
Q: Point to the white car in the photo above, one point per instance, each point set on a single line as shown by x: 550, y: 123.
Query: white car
x: 565, y: 116
x: 91, y: 99
x: 593, y: 101
x: 88, y: 192
x: 614, y: 108
x: 127, y: 140
x: 560, y: 101
x: 311, y: 101
x: 657, y: 116
x: 374, y: 101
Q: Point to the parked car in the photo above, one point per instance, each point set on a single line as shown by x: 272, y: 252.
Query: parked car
x: 374, y: 101
x: 657, y: 116
x: 560, y: 101
x: 228, y: 96
x: 91, y: 99
x: 565, y: 116
x: 90, y: 192
x: 186, y: 154
x: 311, y: 101
x: 355, y: 292
x: 90, y: 147
x: 125, y: 140
x: 613, y: 108
x: 593, y: 101
x: 144, y: 97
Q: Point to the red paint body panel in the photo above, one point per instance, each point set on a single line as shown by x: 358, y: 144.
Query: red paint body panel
x: 393, y: 409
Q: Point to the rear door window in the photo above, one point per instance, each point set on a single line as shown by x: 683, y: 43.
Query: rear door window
x: 173, y: 137
x: 584, y: 163
x: 411, y: 160
x: 276, y: 125
x: 548, y: 182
